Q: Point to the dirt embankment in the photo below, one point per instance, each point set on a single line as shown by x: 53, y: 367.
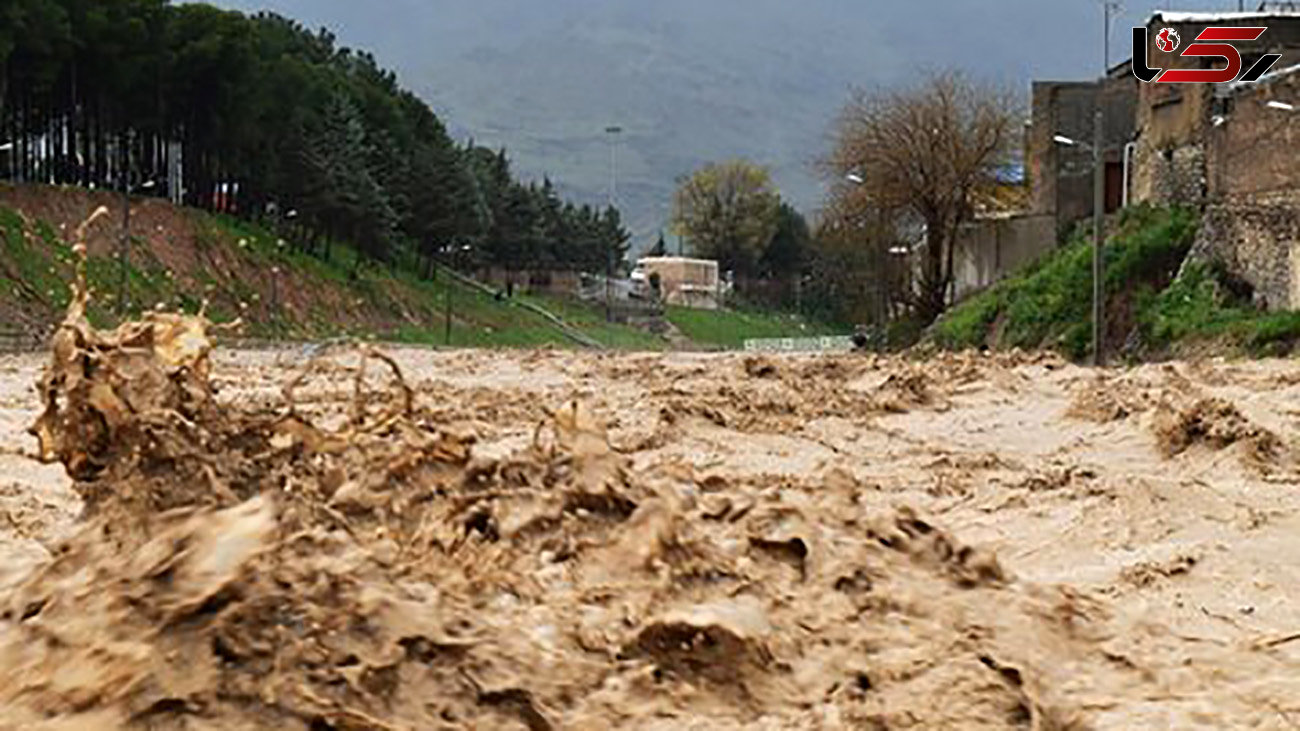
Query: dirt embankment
x: 419, y: 540
x: 182, y: 257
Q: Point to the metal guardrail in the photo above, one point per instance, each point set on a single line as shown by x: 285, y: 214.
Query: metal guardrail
x: 565, y: 328
x: 828, y: 344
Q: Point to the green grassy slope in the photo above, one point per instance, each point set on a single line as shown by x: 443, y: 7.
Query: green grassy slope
x: 1149, y: 313
x: 730, y: 329
x: 181, y: 258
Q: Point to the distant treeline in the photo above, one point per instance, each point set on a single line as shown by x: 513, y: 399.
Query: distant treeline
x: 269, y: 119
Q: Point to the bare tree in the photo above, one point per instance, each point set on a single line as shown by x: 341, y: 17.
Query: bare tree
x: 920, y: 156
x: 728, y: 211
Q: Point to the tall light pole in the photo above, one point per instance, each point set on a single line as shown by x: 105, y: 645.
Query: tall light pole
x: 1109, y: 9
x: 1099, y: 188
x: 1098, y: 211
x: 124, y: 283
x: 613, y: 131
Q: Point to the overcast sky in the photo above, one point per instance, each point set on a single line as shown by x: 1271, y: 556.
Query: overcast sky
x: 694, y: 80
x: 1016, y: 38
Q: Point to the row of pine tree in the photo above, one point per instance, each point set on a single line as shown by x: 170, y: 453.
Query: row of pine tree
x: 270, y: 120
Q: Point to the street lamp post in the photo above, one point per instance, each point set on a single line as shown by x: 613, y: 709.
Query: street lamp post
x: 124, y: 283
x: 613, y: 131
x: 1098, y: 213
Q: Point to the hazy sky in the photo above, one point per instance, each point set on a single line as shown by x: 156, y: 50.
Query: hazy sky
x: 1007, y: 38
x: 694, y: 80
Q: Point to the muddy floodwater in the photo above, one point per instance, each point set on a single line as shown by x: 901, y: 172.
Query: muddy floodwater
x: 558, y: 540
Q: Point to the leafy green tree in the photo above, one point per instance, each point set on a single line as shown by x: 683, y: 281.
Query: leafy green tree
x: 660, y: 247
x: 727, y: 211
x: 786, y: 254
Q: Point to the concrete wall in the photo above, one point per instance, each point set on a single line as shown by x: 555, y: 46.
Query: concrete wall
x: 988, y: 250
x: 1060, y: 176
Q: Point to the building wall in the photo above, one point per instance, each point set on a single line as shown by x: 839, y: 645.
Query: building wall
x: 1252, y: 218
x: 1174, y: 120
x: 1169, y: 161
x: 1255, y: 151
x: 989, y: 249
x: 1061, y: 177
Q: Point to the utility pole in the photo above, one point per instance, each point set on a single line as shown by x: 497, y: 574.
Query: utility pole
x: 124, y: 284
x: 1109, y: 7
x: 1099, y: 191
x: 613, y: 131
x: 1098, y: 211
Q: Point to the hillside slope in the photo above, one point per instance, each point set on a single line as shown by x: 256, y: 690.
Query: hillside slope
x: 181, y: 257
x: 1157, y: 306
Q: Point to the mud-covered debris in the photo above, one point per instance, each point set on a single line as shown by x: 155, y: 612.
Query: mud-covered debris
x: 760, y: 367
x: 716, y: 641
x: 968, y: 567
x: 1213, y: 422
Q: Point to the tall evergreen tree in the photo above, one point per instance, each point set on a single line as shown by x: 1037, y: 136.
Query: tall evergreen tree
x: 267, y: 112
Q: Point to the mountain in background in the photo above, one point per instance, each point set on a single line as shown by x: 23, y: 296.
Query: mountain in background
x: 690, y: 81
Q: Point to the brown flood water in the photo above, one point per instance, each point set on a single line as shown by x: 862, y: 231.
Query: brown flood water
x: 555, y: 540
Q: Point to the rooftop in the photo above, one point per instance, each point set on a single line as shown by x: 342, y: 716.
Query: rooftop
x: 1236, y: 86
x: 1166, y: 16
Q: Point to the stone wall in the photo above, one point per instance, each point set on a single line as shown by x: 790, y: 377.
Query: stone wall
x: 1252, y: 217
x: 1258, y: 241
x: 1170, y: 174
x: 1177, y: 137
